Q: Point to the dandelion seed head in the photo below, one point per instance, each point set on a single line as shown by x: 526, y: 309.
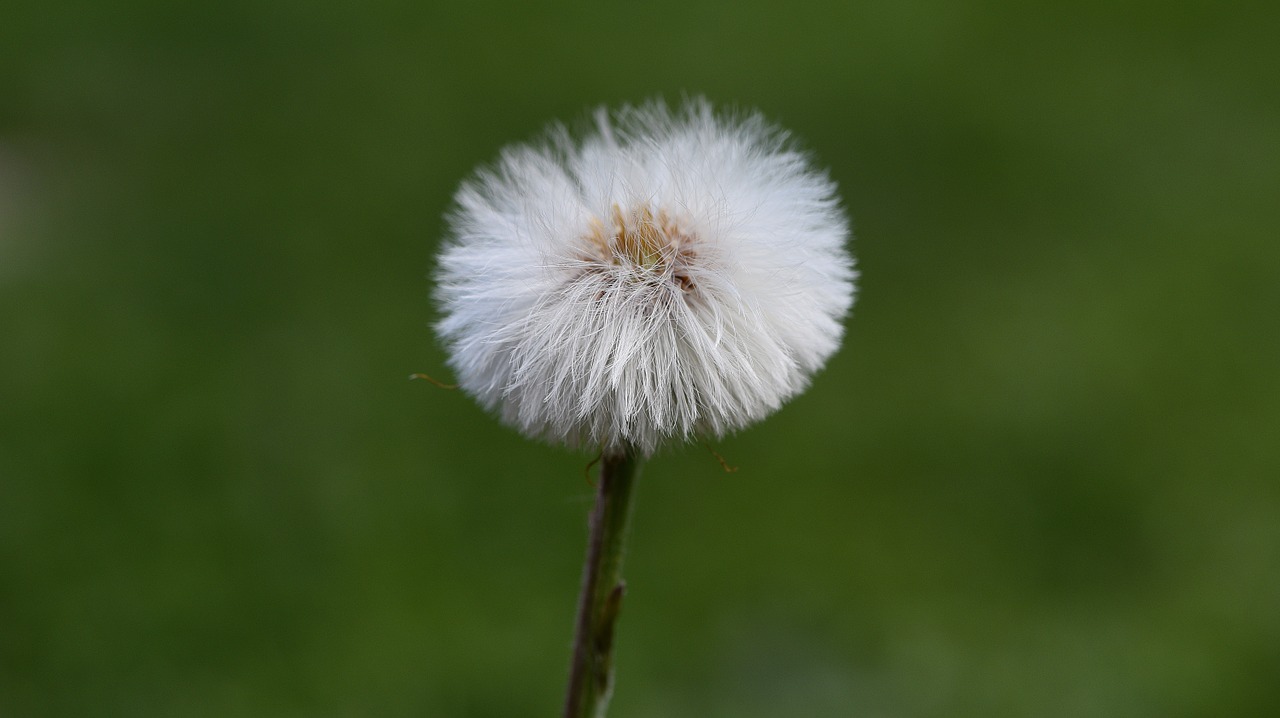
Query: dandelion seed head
x: 671, y: 273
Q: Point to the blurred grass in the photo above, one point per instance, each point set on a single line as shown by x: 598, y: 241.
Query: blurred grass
x: 1040, y: 479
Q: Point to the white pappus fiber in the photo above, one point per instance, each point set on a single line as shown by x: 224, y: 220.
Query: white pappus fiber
x: 672, y: 273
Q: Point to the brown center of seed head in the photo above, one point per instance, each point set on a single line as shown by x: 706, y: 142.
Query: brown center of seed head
x: 641, y: 238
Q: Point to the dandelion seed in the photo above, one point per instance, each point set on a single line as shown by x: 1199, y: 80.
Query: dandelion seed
x: 671, y: 274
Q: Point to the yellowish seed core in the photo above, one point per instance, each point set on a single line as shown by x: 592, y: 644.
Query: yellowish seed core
x: 642, y: 237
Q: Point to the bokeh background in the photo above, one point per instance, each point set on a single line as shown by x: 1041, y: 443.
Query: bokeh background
x: 1040, y: 478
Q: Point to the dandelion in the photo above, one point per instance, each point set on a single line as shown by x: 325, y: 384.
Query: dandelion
x: 670, y: 274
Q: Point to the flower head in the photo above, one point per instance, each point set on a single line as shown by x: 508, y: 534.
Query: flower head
x: 670, y: 273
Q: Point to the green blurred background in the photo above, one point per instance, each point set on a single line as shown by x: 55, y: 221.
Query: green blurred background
x: 1042, y: 478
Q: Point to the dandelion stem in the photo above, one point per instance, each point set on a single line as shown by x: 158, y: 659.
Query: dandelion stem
x: 591, y: 675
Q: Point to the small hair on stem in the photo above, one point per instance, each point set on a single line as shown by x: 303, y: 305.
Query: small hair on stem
x: 586, y: 470
x: 728, y: 469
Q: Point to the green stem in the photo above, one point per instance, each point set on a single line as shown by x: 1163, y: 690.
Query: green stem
x: 591, y: 676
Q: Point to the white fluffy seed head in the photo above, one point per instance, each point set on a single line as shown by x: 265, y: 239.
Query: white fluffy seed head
x: 669, y: 274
